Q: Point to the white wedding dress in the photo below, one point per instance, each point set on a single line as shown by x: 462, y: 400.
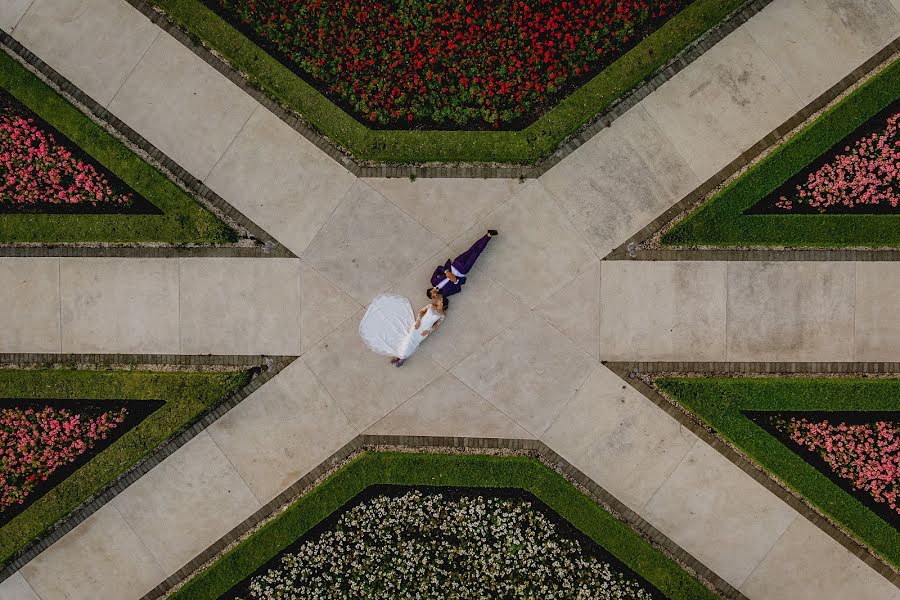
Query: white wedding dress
x: 388, y: 327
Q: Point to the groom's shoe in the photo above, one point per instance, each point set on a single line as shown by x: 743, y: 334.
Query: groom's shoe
x: 492, y: 232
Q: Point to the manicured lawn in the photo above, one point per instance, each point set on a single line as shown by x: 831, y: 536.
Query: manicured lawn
x: 183, y: 221
x: 187, y: 395
x: 444, y: 470
x: 719, y: 403
x: 416, y: 146
x: 721, y: 220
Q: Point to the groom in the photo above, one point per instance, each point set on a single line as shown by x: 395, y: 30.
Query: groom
x: 449, y: 278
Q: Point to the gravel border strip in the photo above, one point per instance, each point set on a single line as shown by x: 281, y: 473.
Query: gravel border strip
x: 475, y: 445
x: 643, y: 245
x: 255, y: 241
x: 471, y: 171
x: 641, y: 374
x: 269, y: 367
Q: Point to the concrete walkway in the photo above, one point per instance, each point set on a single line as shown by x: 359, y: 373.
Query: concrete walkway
x: 519, y: 356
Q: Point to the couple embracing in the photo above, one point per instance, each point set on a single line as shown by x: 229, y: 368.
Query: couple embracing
x: 390, y: 327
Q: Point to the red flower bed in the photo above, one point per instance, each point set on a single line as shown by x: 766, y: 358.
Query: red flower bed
x: 864, y: 174
x: 35, y: 443
x: 447, y: 63
x: 867, y: 455
x: 36, y: 169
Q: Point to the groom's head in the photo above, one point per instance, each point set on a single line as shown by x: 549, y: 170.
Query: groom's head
x: 432, y: 293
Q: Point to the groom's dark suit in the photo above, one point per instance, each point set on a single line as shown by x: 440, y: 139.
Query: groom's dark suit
x: 460, y: 267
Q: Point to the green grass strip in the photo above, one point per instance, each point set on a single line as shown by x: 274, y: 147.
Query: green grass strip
x: 721, y: 222
x: 444, y: 470
x: 521, y: 147
x: 719, y: 402
x: 184, y: 220
x: 186, y: 394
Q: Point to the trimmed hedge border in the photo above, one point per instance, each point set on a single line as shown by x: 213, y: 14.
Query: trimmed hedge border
x: 719, y: 403
x: 721, y: 220
x: 20, y: 544
x: 445, y: 470
x: 575, y: 119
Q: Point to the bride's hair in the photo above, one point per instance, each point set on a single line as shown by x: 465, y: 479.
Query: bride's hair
x: 446, y: 302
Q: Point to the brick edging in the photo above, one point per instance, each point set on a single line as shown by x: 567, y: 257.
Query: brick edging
x: 629, y: 251
x: 598, y: 122
x: 538, y: 448
x: 271, y: 366
x: 265, y: 245
x: 630, y: 371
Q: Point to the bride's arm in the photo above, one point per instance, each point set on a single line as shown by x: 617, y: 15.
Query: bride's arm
x: 419, y: 316
x: 432, y: 330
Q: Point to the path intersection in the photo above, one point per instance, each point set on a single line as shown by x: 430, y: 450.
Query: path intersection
x: 533, y: 349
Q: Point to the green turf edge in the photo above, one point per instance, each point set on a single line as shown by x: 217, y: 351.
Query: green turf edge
x: 718, y: 402
x: 186, y: 394
x: 447, y: 470
x: 184, y: 220
x: 394, y: 146
x: 720, y: 221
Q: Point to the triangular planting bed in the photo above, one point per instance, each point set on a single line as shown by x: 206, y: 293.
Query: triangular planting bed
x: 744, y: 412
x: 850, y: 151
x: 42, y: 442
x: 64, y: 179
x: 43, y: 171
x: 858, y: 451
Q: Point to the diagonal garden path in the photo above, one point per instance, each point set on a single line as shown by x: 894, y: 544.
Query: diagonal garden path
x: 520, y: 356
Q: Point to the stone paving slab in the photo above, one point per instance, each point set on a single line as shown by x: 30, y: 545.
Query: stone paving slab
x: 193, y: 117
x: 807, y: 564
x: 446, y: 207
x: 848, y: 32
x: 482, y: 310
x: 240, y: 306
x: 877, y: 321
x: 530, y: 371
x: 119, y: 305
x: 280, y: 180
x: 94, y: 44
x: 447, y: 407
x: 619, y: 180
x: 11, y: 12
x: 323, y: 306
x: 29, y: 294
x: 662, y: 310
x: 185, y: 503
x: 541, y: 251
x: 575, y: 311
x: 16, y: 587
x: 100, y: 559
x: 718, y: 513
x: 368, y: 244
x: 791, y: 311
x: 722, y: 103
x: 618, y: 438
x: 363, y: 383
x: 282, y: 431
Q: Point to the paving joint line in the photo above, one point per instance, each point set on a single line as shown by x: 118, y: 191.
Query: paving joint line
x: 534, y: 447
x: 745, y: 158
x: 629, y: 372
x: 176, y: 441
x: 597, y: 123
x: 154, y: 157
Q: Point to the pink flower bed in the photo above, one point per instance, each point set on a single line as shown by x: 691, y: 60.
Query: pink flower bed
x: 35, y: 443
x: 35, y: 169
x: 867, y: 455
x: 865, y: 174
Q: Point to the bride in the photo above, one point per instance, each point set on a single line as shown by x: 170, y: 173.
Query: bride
x: 390, y: 327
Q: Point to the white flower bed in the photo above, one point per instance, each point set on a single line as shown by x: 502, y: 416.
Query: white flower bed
x: 423, y: 545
